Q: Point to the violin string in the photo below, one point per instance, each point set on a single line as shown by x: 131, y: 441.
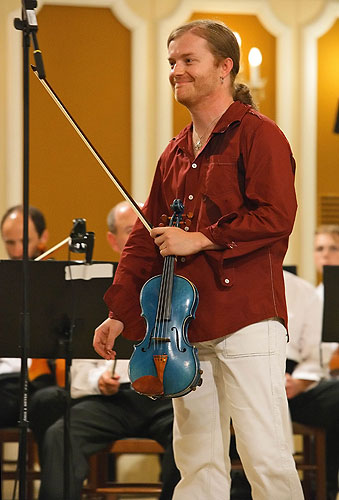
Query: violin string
x: 160, y: 308
x: 165, y: 295
x: 169, y: 290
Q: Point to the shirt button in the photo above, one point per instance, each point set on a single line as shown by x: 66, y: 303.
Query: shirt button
x: 190, y: 197
x: 186, y: 228
x: 183, y: 259
x: 227, y: 280
x: 194, y: 165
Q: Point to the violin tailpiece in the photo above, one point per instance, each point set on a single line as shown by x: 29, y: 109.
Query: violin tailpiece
x: 160, y: 361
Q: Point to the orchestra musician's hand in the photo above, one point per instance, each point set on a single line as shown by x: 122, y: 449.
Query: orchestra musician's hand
x: 107, y: 384
x: 104, y: 337
x: 175, y: 241
x: 295, y: 386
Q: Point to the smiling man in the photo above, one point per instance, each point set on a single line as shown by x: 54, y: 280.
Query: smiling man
x: 234, y: 171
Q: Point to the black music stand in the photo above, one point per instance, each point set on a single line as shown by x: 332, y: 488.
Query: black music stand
x: 65, y: 307
x: 331, y: 304
x: 56, y: 303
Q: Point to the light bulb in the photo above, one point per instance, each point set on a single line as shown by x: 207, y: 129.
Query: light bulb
x: 254, y: 57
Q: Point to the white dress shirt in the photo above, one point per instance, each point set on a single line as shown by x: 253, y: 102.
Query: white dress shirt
x: 10, y: 365
x: 85, y: 374
x: 304, y: 324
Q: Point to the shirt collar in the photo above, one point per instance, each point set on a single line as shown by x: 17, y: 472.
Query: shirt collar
x: 232, y: 116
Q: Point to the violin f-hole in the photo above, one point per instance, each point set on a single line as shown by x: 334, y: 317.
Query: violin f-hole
x: 174, y: 328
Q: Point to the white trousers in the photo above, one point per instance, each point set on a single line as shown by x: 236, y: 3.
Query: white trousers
x: 243, y: 380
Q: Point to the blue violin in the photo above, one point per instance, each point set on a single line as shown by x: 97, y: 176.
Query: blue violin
x: 164, y: 364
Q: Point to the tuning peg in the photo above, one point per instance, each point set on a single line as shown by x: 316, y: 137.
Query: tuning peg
x: 164, y: 220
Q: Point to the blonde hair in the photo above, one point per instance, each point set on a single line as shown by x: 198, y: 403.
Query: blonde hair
x: 332, y: 229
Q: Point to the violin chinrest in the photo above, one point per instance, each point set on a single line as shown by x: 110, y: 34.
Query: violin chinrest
x: 149, y: 386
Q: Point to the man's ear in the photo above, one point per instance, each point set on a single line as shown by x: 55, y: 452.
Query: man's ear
x: 43, y: 239
x: 112, y: 241
x: 226, y: 65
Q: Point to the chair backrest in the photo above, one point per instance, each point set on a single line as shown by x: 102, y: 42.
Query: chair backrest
x: 98, y: 482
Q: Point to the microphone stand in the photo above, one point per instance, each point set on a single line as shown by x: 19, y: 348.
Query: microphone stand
x: 80, y: 241
x: 28, y: 25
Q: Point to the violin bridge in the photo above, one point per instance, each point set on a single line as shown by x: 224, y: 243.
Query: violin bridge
x: 161, y: 339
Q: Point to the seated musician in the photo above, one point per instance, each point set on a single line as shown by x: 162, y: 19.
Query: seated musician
x: 107, y: 408
x: 42, y: 372
x: 326, y: 253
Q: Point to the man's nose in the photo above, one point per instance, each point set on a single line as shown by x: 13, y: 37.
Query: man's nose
x: 177, y: 69
x: 17, y: 251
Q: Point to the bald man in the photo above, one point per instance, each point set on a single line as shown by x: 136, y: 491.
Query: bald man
x: 12, y: 236
x: 12, y: 230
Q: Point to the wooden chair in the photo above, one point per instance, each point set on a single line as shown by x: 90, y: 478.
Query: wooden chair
x: 311, y: 459
x: 9, y: 467
x: 98, y: 481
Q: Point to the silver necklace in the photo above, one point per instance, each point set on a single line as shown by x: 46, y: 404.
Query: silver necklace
x: 197, y: 145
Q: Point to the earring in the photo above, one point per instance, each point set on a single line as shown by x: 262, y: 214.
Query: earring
x: 222, y: 80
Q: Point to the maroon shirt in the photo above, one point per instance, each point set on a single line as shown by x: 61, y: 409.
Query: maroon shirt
x: 240, y: 190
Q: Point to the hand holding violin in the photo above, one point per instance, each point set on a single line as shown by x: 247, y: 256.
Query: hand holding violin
x: 104, y: 337
x: 175, y: 241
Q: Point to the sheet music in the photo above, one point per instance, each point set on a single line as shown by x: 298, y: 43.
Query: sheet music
x: 88, y: 271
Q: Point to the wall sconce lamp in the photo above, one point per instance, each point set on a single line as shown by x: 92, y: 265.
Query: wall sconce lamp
x: 255, y: 60
x: 255, y: 82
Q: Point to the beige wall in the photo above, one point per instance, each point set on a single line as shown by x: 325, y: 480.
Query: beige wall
x: 293, y: 16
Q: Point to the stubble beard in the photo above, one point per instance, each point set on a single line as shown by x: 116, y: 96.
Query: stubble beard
x: 183, y: 98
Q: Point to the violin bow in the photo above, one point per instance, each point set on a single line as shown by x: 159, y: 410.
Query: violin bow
x: 94, y: 152
x: 51, y: 250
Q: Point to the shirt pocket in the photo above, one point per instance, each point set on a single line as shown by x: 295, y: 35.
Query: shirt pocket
x: 221, y: 178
